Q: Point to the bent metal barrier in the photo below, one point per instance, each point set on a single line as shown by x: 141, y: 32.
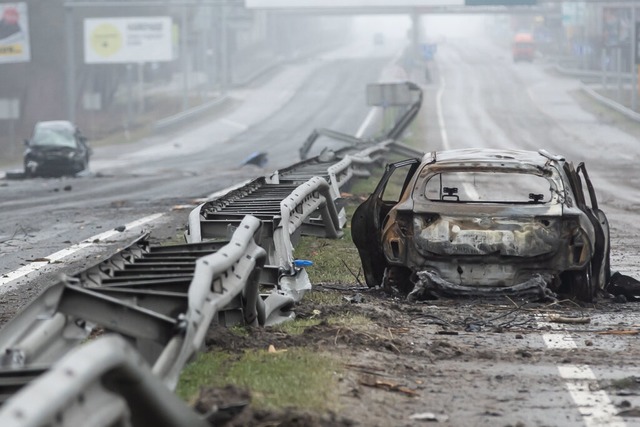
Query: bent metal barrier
x: 162, y: 300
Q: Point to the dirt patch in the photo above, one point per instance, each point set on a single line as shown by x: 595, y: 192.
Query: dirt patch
x: 230, y: 407
x: 420, y: 362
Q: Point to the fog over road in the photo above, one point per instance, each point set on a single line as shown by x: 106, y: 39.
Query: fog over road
x: 133, y: 180
x: 544, y: 374
x: 489, y: 101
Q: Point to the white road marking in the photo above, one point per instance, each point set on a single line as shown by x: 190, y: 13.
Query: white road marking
x: 595, y: 406
x: 471, y: 192
x: 36, y: 265
x: 367, y: 121
x: 235, y: 124
x: 441, y: 124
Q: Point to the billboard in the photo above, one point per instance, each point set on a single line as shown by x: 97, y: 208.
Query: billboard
x: 127, y: 40
x: 14, y: 33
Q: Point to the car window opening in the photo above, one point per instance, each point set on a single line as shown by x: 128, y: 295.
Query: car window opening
x: 488, y: 187
x: 53, y: 138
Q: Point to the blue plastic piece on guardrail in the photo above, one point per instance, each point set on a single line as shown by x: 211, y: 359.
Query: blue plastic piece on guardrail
x: 302, y: 263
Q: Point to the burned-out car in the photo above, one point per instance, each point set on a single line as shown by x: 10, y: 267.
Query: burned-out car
x: 484, y: 222
x: 56, y: 148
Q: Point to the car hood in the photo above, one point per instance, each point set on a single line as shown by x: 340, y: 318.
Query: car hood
x: 52, y: 149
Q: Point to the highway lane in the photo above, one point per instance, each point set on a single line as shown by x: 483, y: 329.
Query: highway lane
x: 486, y: 100
x: 131, y: 181
x: 541, y: 374
x: 489, y: 101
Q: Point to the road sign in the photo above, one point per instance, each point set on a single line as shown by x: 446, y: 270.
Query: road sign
x: 429, y: 50
x: 127, y: 40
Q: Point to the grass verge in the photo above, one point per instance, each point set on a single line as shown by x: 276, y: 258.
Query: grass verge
x: 298, y: 377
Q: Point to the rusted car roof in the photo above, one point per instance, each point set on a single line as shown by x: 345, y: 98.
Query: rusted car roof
x: 490, y: 155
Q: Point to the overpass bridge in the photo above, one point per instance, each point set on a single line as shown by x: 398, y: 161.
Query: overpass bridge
x: 413, y: 8
x: 390, y: 7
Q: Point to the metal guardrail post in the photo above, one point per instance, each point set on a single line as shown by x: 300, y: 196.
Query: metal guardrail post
x: 218, y: 279
x: 298, y: 207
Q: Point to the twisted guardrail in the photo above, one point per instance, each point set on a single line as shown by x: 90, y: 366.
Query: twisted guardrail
x: 162, y: 300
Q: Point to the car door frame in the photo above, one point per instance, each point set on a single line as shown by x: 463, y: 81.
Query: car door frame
x: 367, y: 221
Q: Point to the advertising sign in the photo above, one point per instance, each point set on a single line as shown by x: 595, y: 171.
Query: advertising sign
x: 14, y: 33
x: 127, y: 40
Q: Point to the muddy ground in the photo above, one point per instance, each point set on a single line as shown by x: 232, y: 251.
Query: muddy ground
x: 451, y: 362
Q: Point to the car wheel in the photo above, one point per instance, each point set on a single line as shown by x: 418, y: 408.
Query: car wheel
x: 580, y: 283
x: 397, y: 278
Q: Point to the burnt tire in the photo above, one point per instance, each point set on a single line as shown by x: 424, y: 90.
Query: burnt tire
x: 398, y: 278
x: 579, y: 283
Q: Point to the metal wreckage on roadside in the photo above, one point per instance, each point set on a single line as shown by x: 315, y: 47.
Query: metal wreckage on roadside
x: 485, y: 222
x: 151, y: 307
x: 156, y: 305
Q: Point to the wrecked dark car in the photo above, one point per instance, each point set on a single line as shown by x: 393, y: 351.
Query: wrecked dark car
x: 483, y: 222
x: 56, y: 148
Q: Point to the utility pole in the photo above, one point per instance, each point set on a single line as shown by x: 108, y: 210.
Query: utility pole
x: 635, y: 57
x: 71, y: 63
x: 184, y: 58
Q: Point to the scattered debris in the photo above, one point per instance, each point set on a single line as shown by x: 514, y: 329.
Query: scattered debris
x: 272, y: 349
x: 388, y: 385
x: 631, y: 412
x: 556, y: 318
x: 182, y: 207
x: 120, y: 228
x: 257, y: 158
x: 355, y: 299
x: 67, y: 188
x: 429, y: 416
x: 622, y: 285
x: 620, y: 332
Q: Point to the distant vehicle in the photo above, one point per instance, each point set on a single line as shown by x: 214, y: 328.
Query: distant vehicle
x: 447, y: 225
x: 56, y: 148
x: 523, y: 47
x: 378, y: 39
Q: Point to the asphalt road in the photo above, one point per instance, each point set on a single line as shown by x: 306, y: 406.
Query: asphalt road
x: 544, y: 373
x: 165, y: 174
x: 540, y: 373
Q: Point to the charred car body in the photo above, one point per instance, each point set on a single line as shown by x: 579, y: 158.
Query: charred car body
x: 56, y: 148
x: 484, y: 222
